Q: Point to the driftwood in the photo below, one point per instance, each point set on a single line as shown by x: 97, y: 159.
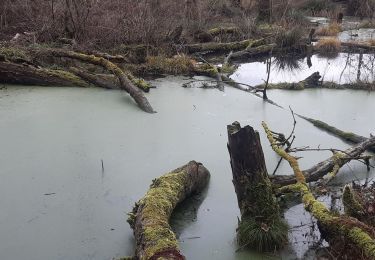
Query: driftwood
x: 333, y: 227
x: 125, y: 83
x: 260, y: 215
x: 150, y: 216
x: 321, y: 169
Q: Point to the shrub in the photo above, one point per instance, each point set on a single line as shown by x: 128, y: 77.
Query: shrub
x: 289, y: 38
x: 328, y: 45
x: 332, y: 29
x: 316, y: 6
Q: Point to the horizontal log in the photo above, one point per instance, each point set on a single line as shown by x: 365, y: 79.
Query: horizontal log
x: 13, y: 73
x: 217, y: 47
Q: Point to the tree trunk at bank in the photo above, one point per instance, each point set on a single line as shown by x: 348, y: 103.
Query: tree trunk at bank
x: 150, y: 216
x: 125, y: 83
x: 13, y: 73
x: 260, y: 216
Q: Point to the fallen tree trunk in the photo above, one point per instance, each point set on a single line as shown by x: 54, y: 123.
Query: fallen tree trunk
x: 253, y: 51
x: 321, y: 169
x: 223, y: 30
x: 313, y: 81
x: 14, y: 73
x: 358, y: 45
x: 217, y: 47
x: 261, y: 226
x: 333, y: 228
x: 108, y: 81
x: 150, y: 216
x: 125, y: 83
x: 95, y: 79
x: 346, y: 136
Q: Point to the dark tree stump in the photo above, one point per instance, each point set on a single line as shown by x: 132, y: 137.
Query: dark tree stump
x: 259, y: 209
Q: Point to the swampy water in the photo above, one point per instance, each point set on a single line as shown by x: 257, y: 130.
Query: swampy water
x: 58, y: 203
x: 343, y: 68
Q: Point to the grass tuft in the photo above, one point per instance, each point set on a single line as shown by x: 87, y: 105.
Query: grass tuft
x: 289, y: 38
x: 328, y: 45
x: 261, y: 237
x: 332, y: 29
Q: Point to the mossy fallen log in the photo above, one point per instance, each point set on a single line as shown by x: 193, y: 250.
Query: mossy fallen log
x: 332, y: 226
x: 358, y: 45
x: 150, y: 216
x: 345, y: 136
x: 312, y: 81
x: 223, y: 30
x: 321, y: 169
x: 13, y: 73
x: 253, y: 51
x: 125, y: 82
x: 217, y: 47
x: 261, y: 226
x: 96, y: 80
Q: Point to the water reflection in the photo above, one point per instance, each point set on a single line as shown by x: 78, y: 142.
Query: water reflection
x: 345, y: 68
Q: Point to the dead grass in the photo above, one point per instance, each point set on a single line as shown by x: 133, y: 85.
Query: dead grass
x: 371, y: 42
x: 332, y: 29
x: 179, y: 64
x: 328, y: 45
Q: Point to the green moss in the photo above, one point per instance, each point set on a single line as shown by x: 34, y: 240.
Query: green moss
x: 363, y: 241
x: 65, y: 75
x: 347, y: 136
x: 337, y: 226
x: 219, y: 47
x: 11, y: 53
x: 139, y: 83
x: 352, y: 206
x: 222, y: 30
x: 157, y: 206
x: 285, y: 85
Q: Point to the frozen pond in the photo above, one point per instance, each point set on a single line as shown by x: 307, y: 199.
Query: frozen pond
x: 345, y: 68
x: 58, y: 204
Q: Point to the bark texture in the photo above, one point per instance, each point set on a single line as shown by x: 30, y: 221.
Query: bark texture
x: 13, y: 73
x: 260, y: 216
x: 150, y: 216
